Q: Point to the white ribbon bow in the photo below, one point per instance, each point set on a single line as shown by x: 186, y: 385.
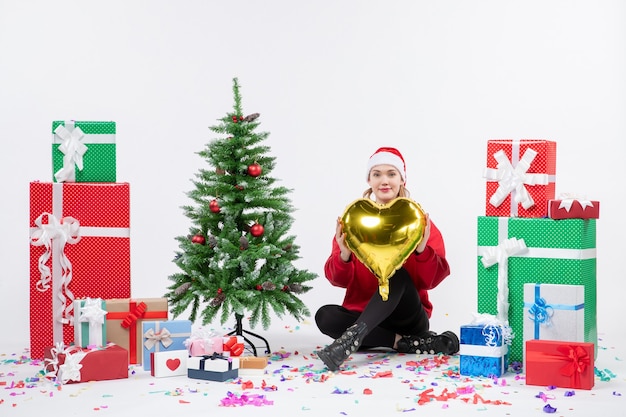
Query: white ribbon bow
x: 500, y: 254
x: 73, y: 149
x: 152, y: 338
x: 568, y: 199
x: 58, y: 232
x: 92, y: 313
x: 493, y: 328
x: 514, y: 179
x: 70, y: 369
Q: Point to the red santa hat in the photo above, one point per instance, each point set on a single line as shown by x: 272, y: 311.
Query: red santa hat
x: 387, y: 156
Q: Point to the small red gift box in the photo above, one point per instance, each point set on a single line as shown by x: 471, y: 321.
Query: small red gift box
x: 573, y: 208
x: 79, y: 248
x: 559, y: 363
x: 73, y: 364
x: 520, y: 177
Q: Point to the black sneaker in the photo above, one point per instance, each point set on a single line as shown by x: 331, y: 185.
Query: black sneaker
x: 430, y: 343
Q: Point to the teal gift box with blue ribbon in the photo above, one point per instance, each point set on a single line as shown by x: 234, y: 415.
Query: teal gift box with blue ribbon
x: 554, y: 312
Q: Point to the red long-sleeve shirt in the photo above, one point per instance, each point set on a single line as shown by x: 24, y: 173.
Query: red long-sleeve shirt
x: 427, y: 270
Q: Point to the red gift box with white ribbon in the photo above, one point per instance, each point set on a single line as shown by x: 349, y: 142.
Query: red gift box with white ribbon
x: 573, y: 207
x: 79, y: 247
x: 71, y: 364
x: 521, y: 177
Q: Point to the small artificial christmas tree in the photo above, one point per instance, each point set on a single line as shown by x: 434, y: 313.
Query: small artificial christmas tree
x: 238, y: 256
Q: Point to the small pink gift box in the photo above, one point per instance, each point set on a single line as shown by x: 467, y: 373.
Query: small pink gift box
x: 198, y: 346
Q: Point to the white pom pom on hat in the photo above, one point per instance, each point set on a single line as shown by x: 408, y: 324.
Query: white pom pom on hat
x: 387, y: 156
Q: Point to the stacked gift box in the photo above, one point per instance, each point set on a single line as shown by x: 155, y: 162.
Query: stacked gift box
x: 83, y: 321
x: 536, y: 256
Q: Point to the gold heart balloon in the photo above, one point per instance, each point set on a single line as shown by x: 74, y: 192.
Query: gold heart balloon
x: 383, y: 236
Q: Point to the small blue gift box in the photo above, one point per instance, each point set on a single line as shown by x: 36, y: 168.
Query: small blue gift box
x: 483, y: 351
x: 215, y: 367
x: 159, y: 336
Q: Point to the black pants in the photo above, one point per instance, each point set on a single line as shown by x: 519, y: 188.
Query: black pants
x: 402, y: 313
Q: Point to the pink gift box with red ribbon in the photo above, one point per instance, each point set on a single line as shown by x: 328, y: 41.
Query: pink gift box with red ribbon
x: 520, y: 177
x: 79, y: 248
x: 559, y: 363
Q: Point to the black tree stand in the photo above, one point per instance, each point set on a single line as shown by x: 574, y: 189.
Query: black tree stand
x: 239, y: 331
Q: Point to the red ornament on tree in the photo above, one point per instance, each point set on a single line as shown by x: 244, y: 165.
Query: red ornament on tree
x: 198, y: 239
x: 257, y: 230
x: 214, y: 206
x: 255, y: 170
x: 259, y: 287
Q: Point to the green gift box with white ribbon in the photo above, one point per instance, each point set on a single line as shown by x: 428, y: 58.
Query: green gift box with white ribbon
x: 517, y: 251
x: 83, y: 151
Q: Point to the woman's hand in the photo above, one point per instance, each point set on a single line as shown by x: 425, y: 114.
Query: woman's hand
x: 420, y: 248
x: 340, y: 237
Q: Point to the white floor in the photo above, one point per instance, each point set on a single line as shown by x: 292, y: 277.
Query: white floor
x: 295, y: 383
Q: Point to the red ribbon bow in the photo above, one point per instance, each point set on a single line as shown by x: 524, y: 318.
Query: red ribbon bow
x: 577, y: 360
x: 138, y: 312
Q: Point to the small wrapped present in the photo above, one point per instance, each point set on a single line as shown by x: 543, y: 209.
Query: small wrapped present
x: 252, y: 365
x: 520, y: 177
x: 573, y: 207
x: 554, y: 312
x: 560, y: 364
x: 233, y: 345
x: 484, y: 348
x: 90, y: 323
x: 72, y: 364
x: 168, y: 363
x: 124, y: 322
x: 163, y: 336
x: 203, y: 342
x: 214, y: 367
x: 83, y: 151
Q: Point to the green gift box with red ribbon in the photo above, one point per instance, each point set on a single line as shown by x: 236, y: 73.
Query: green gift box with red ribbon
x: 560, y: 364
x: 517, y: 251
x: 84, y: 151
x: 125, y: 318
x: 79, y: 248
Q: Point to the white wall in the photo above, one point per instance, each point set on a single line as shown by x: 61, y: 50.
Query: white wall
x: 333, y: 81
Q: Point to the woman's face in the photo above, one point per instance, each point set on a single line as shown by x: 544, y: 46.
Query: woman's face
x: 385, y: 181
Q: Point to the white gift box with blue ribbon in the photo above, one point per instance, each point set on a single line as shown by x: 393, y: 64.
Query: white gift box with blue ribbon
x: 483, y: 350
x: 554, y: 312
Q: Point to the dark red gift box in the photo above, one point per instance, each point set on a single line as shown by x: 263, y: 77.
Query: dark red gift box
x: 573, y: 209
x: 559, y: 363
x: 99, y: 364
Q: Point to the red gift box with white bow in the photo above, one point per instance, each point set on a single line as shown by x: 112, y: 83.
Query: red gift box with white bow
x: 520, y: 176
x: 559, y: 363
x: 79, y: 247
x: 71, y: 364
x: 573, y: 208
